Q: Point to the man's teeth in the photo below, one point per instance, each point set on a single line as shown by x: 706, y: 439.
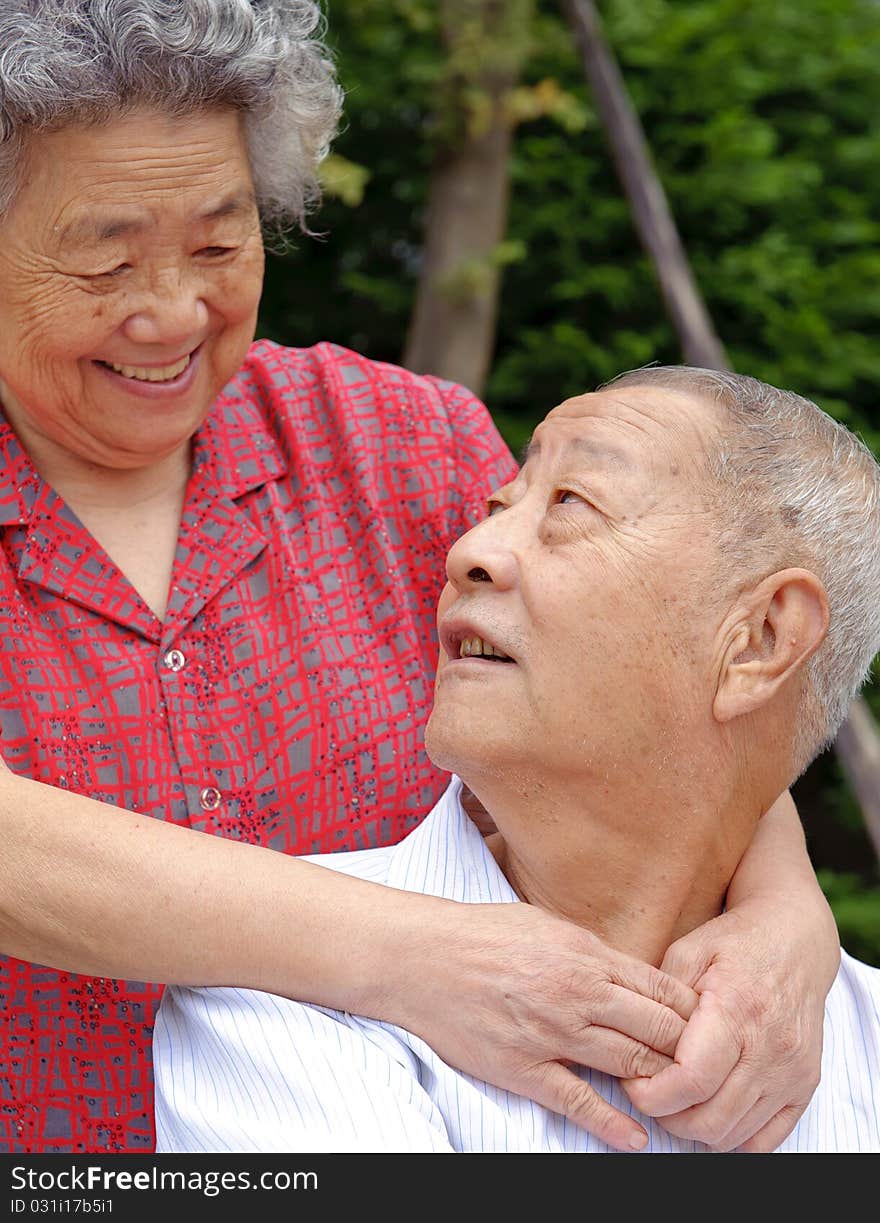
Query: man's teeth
x: 471, y: 646
x: 155, y: 373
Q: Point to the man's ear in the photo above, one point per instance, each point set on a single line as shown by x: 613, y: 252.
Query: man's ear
x: 775, y: 628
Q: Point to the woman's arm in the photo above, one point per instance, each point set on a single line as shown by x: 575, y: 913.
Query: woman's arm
x: 750, y: 1059
x: 505, y: 992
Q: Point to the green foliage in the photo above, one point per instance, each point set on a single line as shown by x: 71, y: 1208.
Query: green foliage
x: 856, y: 909
x: 761, y: 116
x: 343, y: 179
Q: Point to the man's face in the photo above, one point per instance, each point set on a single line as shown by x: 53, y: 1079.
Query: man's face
x: 593, y: 573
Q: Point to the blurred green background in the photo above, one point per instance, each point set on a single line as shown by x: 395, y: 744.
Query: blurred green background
x: 762, y: 117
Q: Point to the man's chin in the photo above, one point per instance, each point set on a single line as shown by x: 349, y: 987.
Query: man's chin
x: 466, y: 755
x: 443, y: 746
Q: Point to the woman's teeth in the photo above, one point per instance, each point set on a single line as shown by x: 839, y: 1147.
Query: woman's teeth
x: 155, y: 373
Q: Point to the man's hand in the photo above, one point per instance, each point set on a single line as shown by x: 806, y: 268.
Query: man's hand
x: 518, y: 996
x: 749, y: 1060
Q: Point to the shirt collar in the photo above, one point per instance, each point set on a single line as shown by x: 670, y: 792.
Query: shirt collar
x: 20, y: 483
x: 235, y: 440
x: 235, y: 443
x: 447, y: 856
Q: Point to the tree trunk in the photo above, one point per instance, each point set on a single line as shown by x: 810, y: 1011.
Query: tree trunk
x: 858, y: 750
x: 452, y: 332
x: 653, y: 219
x: 858, y: 743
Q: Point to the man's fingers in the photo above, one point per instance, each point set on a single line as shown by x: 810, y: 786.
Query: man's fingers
x: 652, y: 983
x: 563, y: 1092
x: 657, y: 1026
x: 706, y: 1054
x: 775, y: 1132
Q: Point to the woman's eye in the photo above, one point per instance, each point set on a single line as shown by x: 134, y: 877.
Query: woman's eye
x: 567, y: 493
x: 111, y: 272
x: 493, y: 507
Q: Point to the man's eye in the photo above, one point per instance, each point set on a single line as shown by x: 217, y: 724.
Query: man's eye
x: 215, y: 252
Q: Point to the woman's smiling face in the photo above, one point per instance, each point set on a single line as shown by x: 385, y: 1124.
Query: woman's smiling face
x: 131, y: 268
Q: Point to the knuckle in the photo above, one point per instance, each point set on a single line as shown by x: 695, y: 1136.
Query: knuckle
x: 676, y: 961
x: 638, y: 1062
x: 667, y: 1030
x: 751, y: 1005
x: 596, y: 999
x: 579, y: 1100
x: 789, y: 1049
x: 790, y: 1042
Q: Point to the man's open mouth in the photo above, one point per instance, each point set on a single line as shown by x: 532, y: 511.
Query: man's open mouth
x: 476, y: 647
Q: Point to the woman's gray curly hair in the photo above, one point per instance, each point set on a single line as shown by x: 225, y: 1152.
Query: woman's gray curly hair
x: 87, y: 61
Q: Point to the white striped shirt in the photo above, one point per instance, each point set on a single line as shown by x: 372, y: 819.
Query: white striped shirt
x: 239, y: 1070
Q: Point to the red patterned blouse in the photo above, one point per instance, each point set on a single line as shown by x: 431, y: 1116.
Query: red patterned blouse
x: 282, y: 701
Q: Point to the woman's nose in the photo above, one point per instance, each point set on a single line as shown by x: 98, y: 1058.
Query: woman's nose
x: 487, y: 553
x: 174, y: 314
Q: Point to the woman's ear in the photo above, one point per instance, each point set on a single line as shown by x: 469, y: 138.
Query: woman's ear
x: 778, y: 626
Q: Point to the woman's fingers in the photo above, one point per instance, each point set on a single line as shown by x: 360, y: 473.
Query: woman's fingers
x: 710, y: 1123
x: 649, y: 982
x: 519, y: 996
x: 650, y: 1023
x: 774, y: 1133
x: 614, y: 1053
x: 560, y: 1090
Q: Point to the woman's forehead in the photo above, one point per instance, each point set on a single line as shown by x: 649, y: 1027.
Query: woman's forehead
x: 77, y: 173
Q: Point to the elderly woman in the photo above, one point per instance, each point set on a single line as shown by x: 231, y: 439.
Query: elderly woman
x: 220, y: 562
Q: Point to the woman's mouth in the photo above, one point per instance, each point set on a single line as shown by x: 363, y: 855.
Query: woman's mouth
x: 172, y: 379
x: 155, y: 374
x: 150, y: 373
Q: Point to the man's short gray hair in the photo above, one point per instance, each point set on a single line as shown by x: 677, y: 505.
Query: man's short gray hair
x: 87, y: 61
x: 797, y: 489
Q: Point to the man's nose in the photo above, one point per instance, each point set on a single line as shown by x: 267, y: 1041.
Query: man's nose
x: 487, y: 553
x: 173, y: 313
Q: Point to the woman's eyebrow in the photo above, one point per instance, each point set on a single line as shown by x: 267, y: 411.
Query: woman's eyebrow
x: 92, y: 230
x: 231, y: 205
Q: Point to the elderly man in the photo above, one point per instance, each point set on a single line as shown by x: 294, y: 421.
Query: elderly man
x: 677, y: 597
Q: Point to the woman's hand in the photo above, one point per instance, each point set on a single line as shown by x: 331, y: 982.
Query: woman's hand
x: 750, y: 1057
x: 514, y: 996
x: 749, y: 1060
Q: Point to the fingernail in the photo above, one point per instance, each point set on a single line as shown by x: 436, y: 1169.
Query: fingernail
x: 638, y: 1142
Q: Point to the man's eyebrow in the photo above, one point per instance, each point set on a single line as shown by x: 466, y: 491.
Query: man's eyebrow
x: 94, y: 230
x: 603, y: 453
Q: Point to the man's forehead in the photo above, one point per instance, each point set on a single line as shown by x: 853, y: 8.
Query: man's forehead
x: 622, y: 423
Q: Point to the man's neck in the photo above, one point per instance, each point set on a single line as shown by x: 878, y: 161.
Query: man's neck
x: 639, y: 864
